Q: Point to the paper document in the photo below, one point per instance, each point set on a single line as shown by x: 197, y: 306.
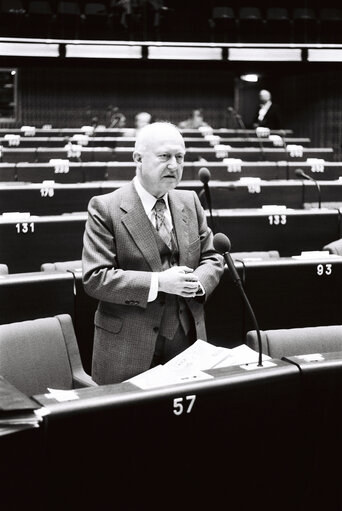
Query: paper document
x: 200, y: 356
x: 62, y: 395
x: 161, y: 376
x: 241, y: 355
x: 189, y: 366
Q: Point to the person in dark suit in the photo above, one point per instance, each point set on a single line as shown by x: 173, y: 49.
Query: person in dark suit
x: 268, y: 114
x: 148, y: 258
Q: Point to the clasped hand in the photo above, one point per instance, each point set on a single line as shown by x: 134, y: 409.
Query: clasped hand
x: 179, y: 280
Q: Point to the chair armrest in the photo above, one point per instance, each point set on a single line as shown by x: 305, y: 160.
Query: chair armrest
x: 82, y: 379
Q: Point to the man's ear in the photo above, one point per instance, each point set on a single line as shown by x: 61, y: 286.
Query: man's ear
x: 137, y: 157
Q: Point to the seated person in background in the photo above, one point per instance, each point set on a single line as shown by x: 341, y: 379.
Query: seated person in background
x: 142, y: 119
x: 195, y: 121
x: 268, y: 114
x: 116, y: 119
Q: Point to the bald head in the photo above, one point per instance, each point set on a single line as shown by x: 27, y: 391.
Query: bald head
x: 159, y: 155
x: 264, y: 96
x: 156, y: 133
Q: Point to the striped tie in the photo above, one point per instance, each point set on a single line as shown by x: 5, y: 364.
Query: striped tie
x: 163, y: 231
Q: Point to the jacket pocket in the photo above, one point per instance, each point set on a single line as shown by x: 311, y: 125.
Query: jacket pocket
x: 108, y: 323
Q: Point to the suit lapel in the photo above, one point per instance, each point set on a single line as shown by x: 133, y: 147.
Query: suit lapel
x: 140, y: 228
x: 181, y: 226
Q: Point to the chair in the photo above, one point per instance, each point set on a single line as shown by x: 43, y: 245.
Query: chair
x: 68, y: 19
x: 96, y: 21
x: 3, y: 269
x: 264, y: 255
x: 62, y: 266
x: 42, y: 353
x: 330, y: 25
x: 12, y: 18
x: 335, y: 247
x: 304, y: 25
x: 251, y: 25
x: 40, y: 18
x: 224, y: 24
x: 278, y: 25
x: 297, y: 341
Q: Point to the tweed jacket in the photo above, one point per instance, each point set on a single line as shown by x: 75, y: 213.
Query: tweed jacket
x: 119, y: 253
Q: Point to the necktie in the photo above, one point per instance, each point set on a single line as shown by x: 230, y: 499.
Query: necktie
x: 163, y: 231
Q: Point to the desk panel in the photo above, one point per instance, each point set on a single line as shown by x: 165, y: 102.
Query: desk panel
x: 290, y: 231
x: 27, y: 296
x: 43, y: 199
x: 245, y: 154
x: 227, y: 422
x: 28, y: 243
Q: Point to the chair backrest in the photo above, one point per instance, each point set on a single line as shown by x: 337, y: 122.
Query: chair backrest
x: 303, y: 13
x: 69, y: 8
x: 39, y: 7
x: 62, y: 266
x: 277, y: 13
x: 330, y: 14
x: 223, y: 12
x: 250, y: 13
x: 270, y: 254
x: 95, y: 8
x: 335, y: 247
x: 3, y: 269
x: 297, y: 341
x: 38, y: 354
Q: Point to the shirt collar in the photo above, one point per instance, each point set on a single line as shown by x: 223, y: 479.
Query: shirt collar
x: 148, y: 200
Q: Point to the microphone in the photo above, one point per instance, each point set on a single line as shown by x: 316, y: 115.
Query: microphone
x: 301, y: 173
x: 222, y: 245
x: 204, y: 176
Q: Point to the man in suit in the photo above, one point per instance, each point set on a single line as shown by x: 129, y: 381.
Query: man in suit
x: 148, y: 258
x: 268, y: 114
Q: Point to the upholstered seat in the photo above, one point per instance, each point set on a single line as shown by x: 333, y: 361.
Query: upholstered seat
x: 297, y: 341
x: 42, y: 353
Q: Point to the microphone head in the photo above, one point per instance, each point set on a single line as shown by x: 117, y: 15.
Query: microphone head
x: 299, y: 173
x: 204, y: 175
x: 221, y: 243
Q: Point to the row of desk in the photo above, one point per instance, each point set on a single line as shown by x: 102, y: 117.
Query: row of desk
x: 107, y: 141
x: 29, y: 241
x: 268, y: 438
x: 285, y: 293
x: 82, y: 172
x: 102, y: 131
x: 44, y: 154
x: 57, y: 198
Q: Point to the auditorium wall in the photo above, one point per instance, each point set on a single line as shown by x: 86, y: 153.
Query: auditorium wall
x: 71, y: 94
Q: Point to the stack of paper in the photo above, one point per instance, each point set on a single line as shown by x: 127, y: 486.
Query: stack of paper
x: 190, y: 365
x: 17, y: 411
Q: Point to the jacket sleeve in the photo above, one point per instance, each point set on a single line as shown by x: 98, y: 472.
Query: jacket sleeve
x: 102, y: 279
x: 210, y: 267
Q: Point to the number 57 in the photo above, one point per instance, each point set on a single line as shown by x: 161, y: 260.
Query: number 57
x: 178, y: 407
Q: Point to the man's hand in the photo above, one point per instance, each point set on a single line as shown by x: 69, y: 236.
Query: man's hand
x: 179, y: 280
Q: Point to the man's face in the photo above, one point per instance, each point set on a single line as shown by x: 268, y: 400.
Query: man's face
x: 161, y: 164
x: 264, y: 96
x: 142, y: 120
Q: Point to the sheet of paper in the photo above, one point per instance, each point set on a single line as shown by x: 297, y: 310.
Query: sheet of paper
x: 161, y: 376
x: 241, y: 355
x: 62, y: 395
x: 199, y: 356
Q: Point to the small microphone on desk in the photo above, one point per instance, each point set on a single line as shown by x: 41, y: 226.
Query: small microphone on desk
x: 222, y: 245
x: 204, y: 176
x: 301, y: 173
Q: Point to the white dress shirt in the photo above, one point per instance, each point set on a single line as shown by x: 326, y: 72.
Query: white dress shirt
x: 148, y: 201
x: 264, y: 109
